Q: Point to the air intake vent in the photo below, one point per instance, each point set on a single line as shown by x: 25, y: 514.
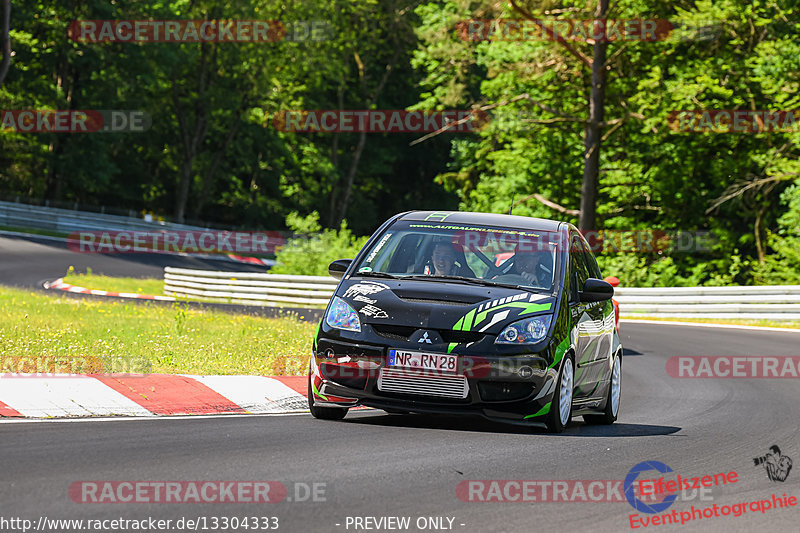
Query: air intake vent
x: 431, y: 301
x: 461, y: 337
x: 398, y: 333
x: 420, y: 384
x: 434, y: 294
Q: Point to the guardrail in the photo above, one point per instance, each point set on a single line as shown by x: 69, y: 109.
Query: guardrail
x: 68, y: 221
x: 777, y: 302
x: 249, y: 288
x: 768, y: 302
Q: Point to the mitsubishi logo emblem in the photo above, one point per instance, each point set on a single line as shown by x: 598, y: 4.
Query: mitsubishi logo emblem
x: 425, y: 338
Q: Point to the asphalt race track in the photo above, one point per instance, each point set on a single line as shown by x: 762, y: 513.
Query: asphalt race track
x: 26, y: 263
x: 374, y: 464
x: 377, y: 465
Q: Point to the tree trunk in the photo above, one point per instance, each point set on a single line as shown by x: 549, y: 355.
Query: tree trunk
x: 192, y: 137
x: 591, y: 158
x: 5, y: 40
x: 351, y: 176
x: 208, y: 177
x: 757, y: 231
x: 332, y: 212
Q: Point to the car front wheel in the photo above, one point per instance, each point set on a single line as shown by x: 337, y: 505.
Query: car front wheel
x: 560, y: 412
x: 611, y: 411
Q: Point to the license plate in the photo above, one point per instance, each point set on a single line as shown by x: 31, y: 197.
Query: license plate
x: 423, y: 361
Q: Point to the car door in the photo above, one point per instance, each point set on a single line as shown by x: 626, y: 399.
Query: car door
x: 603, y: 315
x: 586, y: 320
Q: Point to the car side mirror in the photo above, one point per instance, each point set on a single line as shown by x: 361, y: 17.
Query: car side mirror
x: 337, y: 268
x: 596, y: 290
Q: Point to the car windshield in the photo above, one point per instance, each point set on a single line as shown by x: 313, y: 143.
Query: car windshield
x: 478, y: 254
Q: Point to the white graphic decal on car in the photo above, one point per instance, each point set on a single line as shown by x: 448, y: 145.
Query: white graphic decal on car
x: 365, y: 287
x: 373, y: 312
x: 378, y: 247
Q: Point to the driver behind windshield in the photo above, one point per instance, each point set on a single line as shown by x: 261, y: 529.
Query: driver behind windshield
x: 445, y: 263
x: 530, y: 268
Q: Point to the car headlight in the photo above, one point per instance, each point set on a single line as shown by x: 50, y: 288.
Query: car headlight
x: 528, y: 331
x: 342, y: 316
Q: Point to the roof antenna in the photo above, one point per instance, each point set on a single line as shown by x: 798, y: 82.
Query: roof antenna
x: 512, y: 203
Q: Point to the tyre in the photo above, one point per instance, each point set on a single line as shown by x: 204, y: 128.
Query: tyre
x: 560, y: 413
x: 323, y: 413
x: 611, y: 411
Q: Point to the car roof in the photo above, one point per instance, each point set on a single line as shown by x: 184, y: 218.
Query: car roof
x: 488, y: 219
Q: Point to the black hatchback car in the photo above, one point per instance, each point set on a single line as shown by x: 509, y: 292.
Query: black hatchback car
x: 501, y: 316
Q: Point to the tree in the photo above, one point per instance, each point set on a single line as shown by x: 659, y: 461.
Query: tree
x: 587, y: 219
x: 5, y: 39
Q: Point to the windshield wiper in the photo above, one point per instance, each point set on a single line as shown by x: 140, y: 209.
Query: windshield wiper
x: 376, y: 275
x: 474, y: 281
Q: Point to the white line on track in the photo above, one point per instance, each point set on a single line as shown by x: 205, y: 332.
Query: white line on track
x: 706, y: 325
x: 135, y: 418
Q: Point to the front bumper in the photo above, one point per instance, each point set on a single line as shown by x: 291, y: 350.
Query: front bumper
x: 509, y: 388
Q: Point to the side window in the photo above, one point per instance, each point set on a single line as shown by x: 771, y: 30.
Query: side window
x: 577, y: 267
x: 591, y: 262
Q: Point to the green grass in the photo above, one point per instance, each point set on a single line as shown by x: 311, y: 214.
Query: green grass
x: 34, y: 231
x: 98, y: 336
x: 150, y: 286
x: 788, y: 324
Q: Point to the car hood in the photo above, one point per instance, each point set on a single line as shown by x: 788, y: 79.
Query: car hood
x: 442, y: 305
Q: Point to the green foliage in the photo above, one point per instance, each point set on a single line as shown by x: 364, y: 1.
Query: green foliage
x: 783, y: 266
x: 244, y: 172
x: 734, y: 54
x: 312, y: 250
x: 212, y: 106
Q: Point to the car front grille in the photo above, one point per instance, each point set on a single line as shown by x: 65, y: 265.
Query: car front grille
x: 422, y: 384
x: 398, y: 333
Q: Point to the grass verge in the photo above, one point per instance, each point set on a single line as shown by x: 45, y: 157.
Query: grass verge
x: 786, y: 324
x: 149, y: 286
x: 41, y: 332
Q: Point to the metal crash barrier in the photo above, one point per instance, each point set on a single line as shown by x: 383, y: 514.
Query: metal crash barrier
x: 248, y: 288
x: 778, y: 302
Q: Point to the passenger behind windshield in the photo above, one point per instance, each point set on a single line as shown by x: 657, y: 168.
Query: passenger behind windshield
x: 445, y: 262
x: 532, y: 268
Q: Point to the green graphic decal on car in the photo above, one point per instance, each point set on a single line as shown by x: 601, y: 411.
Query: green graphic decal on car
x: 316, y: 391
x: 441, y: 217
x: 543, y: 411
x: 475, y: 317
x: 561, y: 349
x: 466, y: 322
x: 316, y: 334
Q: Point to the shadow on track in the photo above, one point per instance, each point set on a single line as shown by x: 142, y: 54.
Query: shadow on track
x: 627, y: 352
x: 481, y: 425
